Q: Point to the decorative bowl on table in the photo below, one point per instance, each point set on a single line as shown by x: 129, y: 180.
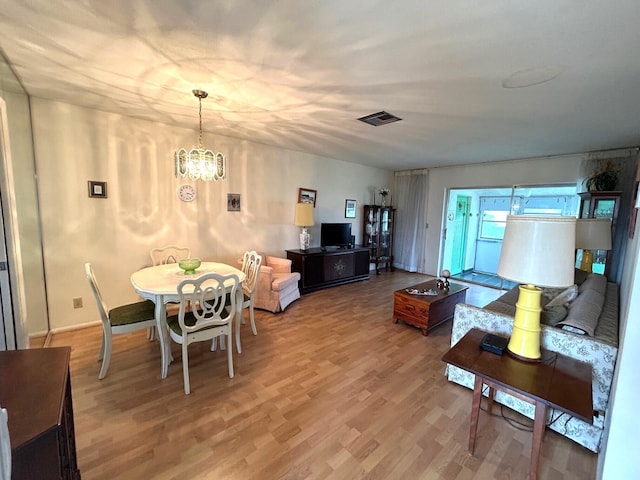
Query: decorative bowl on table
x: 189, y: 265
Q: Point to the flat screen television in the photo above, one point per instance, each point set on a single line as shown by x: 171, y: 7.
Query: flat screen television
x: 335, y: 235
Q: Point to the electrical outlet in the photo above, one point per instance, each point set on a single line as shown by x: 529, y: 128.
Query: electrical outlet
x: 77, y: 302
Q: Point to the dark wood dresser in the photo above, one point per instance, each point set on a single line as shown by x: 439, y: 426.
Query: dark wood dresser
x: 35, y: 388
x: 320, y: 268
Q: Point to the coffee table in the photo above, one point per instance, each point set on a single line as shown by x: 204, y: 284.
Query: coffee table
x: 427, y: 311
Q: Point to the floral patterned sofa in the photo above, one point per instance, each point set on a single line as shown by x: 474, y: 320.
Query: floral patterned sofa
x: 598, y: 347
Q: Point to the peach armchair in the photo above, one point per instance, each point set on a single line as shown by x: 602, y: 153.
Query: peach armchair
x: 277, y: 284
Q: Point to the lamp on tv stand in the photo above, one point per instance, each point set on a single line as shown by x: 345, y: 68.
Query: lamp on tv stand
x: 304, y: 218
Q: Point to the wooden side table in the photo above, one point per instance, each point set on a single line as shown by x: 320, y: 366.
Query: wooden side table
x: 556, y: 381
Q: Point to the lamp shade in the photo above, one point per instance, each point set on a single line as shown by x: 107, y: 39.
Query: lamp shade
x: 538, y: 250
x: 304, y: 215
x: 593, y: 233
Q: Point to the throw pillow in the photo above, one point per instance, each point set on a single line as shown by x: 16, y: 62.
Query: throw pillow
x: 551, y: 292
x: 553, y: 315
x: 568, y: 295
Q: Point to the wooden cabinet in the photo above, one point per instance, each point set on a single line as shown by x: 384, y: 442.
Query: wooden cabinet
x: 322, y: 268
x: 36, y: 391
x: 378, y: 232
x: 599, y: 204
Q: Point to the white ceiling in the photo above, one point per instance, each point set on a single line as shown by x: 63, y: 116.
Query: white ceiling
x: 298, y: 73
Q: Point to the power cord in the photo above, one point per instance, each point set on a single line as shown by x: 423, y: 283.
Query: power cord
x: 527, y: 426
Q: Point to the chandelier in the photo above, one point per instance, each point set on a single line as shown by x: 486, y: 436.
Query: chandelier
x: 198, y: 163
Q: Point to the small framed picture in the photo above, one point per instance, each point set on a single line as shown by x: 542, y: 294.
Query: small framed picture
x: 97, y: 189
x: 233, y: 202
x: 349, y: 208
x: 306, y: 195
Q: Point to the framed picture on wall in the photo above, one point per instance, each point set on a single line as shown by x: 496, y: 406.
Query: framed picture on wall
x: 306, y: 195
x: 233, y: 202
x: 349, y: 208
x: 97, y: 189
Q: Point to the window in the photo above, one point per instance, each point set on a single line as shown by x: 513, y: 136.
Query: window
x: 493, y: 223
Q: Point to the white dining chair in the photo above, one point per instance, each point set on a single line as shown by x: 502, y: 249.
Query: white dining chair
x: 162, y: 256
x: 251, y: 262
x: 122, y: 319
x: 169, y: 254
x: 204, y: 314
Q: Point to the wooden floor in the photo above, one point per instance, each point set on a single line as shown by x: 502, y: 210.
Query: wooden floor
x: 328, y: 389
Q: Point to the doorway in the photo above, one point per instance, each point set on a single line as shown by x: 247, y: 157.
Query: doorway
x: 476, y: 218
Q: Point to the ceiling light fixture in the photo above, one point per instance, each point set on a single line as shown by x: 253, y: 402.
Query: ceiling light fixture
x: 532, y: 76
x: 198, y: 163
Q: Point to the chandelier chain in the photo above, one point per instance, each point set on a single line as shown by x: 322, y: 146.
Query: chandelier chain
x: 200, y: 115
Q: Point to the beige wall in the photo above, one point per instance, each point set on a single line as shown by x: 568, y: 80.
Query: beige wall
x: 142, y: 211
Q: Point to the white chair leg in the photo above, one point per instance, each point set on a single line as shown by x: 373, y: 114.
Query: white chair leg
x: 185, y: 366
x: 151, y: 333
x: 253, y: 320
x: 106, y: 354
x: 238, y: 318
x: 214, y: 344
x: 229, y: 354
x: 101, y: 352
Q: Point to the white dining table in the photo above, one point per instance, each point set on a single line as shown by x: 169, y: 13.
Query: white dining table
x: 160, y: 285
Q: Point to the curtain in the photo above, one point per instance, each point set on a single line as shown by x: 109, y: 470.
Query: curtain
x: 411, y: 220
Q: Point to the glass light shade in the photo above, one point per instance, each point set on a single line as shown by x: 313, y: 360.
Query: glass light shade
x: 538, y: 250
x: 200, y: 164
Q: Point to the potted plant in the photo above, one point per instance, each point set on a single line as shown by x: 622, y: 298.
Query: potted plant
x: 603, y: 178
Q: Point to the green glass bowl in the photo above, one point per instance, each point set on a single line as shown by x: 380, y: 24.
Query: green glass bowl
x: 189, y: 265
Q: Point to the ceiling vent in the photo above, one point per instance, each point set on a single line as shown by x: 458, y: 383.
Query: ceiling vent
x: 380, y: 118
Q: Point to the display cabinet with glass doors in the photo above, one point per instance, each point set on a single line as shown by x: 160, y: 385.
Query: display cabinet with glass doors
x: 378, y: 232
x: 600, y: 204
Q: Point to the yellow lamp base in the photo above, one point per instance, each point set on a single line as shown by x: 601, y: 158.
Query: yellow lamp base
x: 586, y: 263
x: 525, y: 338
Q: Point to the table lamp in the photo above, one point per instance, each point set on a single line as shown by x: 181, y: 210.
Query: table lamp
x: 304, y: 218
x: 536, y: 252
x: 592, y: 234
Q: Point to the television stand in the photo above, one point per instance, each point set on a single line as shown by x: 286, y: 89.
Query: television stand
x: 322, y: 268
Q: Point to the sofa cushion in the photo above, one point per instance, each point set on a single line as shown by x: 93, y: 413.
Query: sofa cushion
x: 607, y: 329
x: 553, y: 315
x: 511, y: 296
x: 594, y: 282
x: 551, y: 292
x: 501, y: 307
